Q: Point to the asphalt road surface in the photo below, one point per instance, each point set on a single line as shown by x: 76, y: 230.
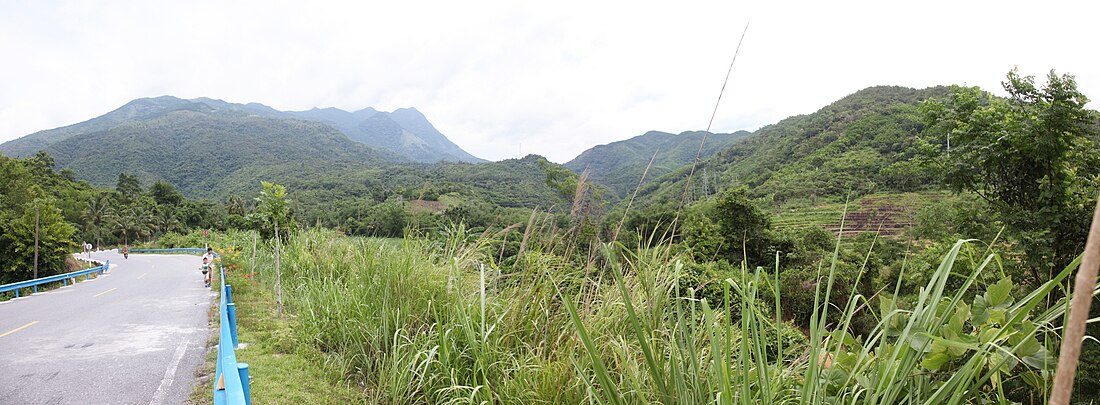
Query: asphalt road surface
x: 135, y: 335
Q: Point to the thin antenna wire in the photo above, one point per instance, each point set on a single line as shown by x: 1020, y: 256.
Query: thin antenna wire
x: 615, y: 236
x: 713, y: 113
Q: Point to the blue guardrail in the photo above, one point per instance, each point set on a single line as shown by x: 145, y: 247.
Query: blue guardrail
x: 197, y: 251
x: 231, y: 377
x: 64, y: 278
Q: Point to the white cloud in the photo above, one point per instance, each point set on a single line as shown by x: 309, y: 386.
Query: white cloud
x: 503, y: 79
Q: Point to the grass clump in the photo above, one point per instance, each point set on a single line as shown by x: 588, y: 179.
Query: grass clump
x: 439, y: 320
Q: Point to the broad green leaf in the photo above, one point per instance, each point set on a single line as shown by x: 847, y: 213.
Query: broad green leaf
x: 1041, y: 360
x: 1003, y: 364
x: 886, y: 305
x: 979, y: 312
x: 1032, y: 378
x: 951, y: 346
x: 998, y: 294
x: 987, y: 335
x: 935, y: 362
x: 919, y: 342
x: 998, y: 315
x: 962, y: 314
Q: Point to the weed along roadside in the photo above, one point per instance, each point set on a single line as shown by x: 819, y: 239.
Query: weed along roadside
x: 434, y: 321
x: 281, y: 370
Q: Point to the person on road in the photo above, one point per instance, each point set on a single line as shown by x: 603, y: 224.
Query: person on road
x: 126, y: 252
x: 209, y: 256
x: 206, y: 270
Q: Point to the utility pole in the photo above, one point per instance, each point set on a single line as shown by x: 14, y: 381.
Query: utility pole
x: 35, y: 241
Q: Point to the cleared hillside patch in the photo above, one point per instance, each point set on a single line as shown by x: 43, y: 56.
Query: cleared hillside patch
x: 889, y: 214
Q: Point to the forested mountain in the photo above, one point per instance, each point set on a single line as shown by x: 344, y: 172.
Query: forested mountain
x: 134, y: 110
x: 863, y: 142
x: 220, y: 151
x: 334, y: 194
x: 619, y: 165
x: 404, y: 134
x: 198, y: 150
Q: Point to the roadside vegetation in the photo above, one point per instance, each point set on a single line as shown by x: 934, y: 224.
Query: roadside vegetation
x: 437, y: 320
x: 709, y: 303
x: 899, y: 246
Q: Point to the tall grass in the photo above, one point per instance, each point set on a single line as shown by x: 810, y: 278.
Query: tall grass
x: 421, y: 321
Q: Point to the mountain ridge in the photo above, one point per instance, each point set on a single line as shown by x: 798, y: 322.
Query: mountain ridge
x: 864, y: 142
x: 620, y: 165
x: 433, y: 147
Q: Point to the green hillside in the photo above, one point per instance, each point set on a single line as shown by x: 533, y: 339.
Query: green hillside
x: 332, y: 193
x: 404, y: 134
x: 136, y: 109
x: 863, y: 143
x: 619, y: 165
x: 198, y: 150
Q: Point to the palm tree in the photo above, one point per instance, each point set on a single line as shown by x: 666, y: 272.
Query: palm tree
x: 165, y: 221
x: 144, y: 222
x: 125, y: 222
x: 235, y: 205
x: 97, y: 215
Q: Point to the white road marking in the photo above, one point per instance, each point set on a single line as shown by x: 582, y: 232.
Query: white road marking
x: 169, y: 376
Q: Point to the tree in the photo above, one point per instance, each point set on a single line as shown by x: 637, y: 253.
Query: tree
x: 166, y: 221
x: 234, y: 205
x: 55, y: 241
x: 97, y: 215
x: 41, y: 164
x: 164, y: 193
x: 126, y: 223
x: 1030, y: 156
x: 731, y: 228
x: 128, y: 188
x: 273, y: 211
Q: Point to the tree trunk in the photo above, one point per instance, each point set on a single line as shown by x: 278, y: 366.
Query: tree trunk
x: 253, y: 271
x: 1074, y: 333
x: 278, y: 272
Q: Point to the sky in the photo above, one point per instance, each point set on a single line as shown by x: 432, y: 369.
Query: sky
x: 503, y: 79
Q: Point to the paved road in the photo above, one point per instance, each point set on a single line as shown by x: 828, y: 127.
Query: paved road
x: 133, y: 336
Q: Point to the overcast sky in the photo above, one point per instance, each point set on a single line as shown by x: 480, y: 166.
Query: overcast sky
x: 505, y: 79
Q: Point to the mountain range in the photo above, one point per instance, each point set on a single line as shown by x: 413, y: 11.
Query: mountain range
x: 865, y: 142
x: 401, y: 135
x: 210, y: 148
x: 620, y: 165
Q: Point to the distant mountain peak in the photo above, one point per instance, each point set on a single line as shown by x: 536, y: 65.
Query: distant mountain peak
x: 620, y: 165
x: 408, y: 135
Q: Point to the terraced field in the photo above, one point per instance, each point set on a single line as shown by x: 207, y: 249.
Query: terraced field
x: 888, y: 214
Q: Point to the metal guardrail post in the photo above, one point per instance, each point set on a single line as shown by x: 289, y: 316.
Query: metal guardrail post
x: 230, y: 387
x: 242, y: 369
x: 231, y: 309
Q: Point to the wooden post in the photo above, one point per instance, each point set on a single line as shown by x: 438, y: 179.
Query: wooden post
x: 35, y: 242
x: 278, y: 271
x: 1083, y: 286
x: 253, y: 271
